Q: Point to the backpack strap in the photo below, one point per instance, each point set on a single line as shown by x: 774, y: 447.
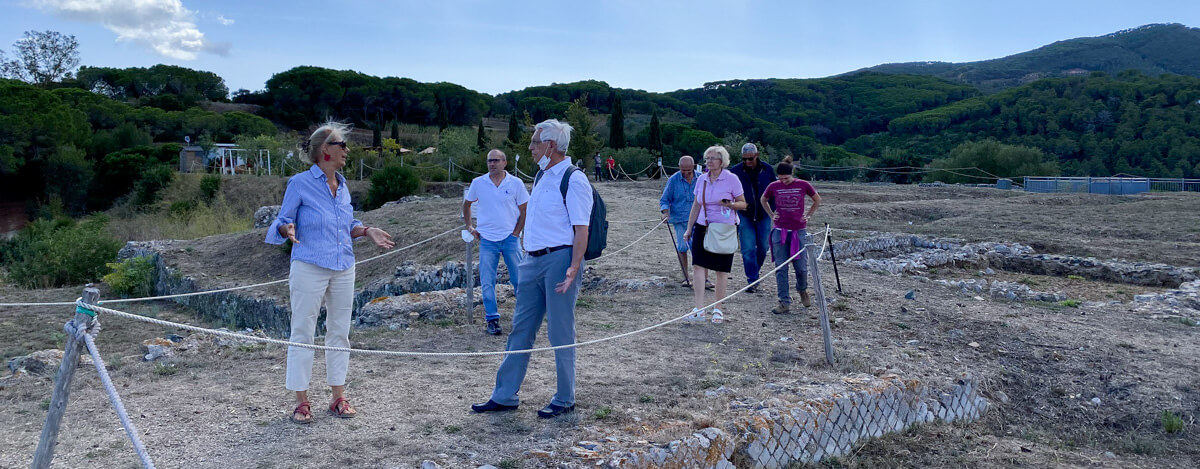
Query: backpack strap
x: 566, y: 181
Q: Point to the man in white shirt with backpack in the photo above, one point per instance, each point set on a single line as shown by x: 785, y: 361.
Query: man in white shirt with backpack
x: 556, y: 239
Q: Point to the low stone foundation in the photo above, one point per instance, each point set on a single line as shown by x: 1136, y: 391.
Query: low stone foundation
x: 1001, y: 290
x: 778, y: 433
x: 916, y: 252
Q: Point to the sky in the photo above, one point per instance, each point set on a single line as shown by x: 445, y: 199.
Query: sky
x: 497, y: 46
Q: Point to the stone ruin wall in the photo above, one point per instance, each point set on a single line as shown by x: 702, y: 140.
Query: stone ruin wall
x: 810, y: 431
x: 1014, y: 257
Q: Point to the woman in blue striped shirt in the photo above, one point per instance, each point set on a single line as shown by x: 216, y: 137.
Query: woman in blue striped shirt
x: 319, y: 221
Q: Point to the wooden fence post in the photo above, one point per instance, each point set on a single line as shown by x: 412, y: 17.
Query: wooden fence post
x: 62, y: 384
x: 469, y: 286
x: 815, y: 270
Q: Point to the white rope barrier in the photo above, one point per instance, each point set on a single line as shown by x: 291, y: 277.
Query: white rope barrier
x: 655, y: 227
x: 456, y: 165
x: 119, y: 406
x: 241, y: 287
x: 123, y: 314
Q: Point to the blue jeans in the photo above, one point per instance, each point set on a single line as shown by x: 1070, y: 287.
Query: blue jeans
x: 681, y: 245
x: 489, y: 260
x: 539, y: 302
x: 754, y: 237
x: 779, y: 254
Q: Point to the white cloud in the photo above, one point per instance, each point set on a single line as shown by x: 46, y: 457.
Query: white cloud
x: 224, y: 21
x: 164, y: 26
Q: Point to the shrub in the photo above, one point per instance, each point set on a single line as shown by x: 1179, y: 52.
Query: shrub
x: 391, y: 183
x: 153, y: 181
x: 133, y: 277
x: 1172, y: 422
x: 55, y: 253
x: 431, y: 174
x: 633, y: 159
x: 210, y: 184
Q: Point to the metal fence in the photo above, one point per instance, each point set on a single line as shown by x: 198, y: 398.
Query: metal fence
x: 1110, y: 185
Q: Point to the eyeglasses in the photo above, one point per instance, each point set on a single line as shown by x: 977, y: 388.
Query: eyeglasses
x: 750, y: 158
x: 337, y: 144
x: 490, y: 161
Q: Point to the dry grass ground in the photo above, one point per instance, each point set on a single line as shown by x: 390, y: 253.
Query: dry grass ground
x: 1039, y: 364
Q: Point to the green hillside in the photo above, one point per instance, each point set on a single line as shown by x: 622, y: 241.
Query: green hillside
x: 1151, y: 49
x: 1097, y: 125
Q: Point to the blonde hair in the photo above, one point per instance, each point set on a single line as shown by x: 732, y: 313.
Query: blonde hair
x: 721, y: 151
x: 323, y: 134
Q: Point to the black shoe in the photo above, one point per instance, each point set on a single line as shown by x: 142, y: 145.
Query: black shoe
x: 493, y: 327
x: 491, y: 406
x: 752, y: 289
x: 552, y: 411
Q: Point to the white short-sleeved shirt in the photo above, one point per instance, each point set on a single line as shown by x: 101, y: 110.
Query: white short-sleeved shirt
x: 548, y: 221
x: 496, y: 207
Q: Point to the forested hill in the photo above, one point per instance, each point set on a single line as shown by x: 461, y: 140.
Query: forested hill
x: 1097, y: 125
x: 1151, y: 49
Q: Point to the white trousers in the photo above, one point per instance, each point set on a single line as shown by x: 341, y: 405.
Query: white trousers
x: 309, y: 286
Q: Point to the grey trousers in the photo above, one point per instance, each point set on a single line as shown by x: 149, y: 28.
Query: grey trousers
x: 537, y: 300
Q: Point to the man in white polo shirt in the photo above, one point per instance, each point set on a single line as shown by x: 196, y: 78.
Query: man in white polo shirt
x: 501, y: 217
x: 556, y: 237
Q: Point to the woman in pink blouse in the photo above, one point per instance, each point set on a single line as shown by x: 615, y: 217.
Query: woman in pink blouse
x: 719, y: 196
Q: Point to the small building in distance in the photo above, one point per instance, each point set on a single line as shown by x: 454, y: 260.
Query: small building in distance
x: 192, y: 159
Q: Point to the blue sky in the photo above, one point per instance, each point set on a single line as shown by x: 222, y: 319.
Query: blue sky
x: 494, y: 46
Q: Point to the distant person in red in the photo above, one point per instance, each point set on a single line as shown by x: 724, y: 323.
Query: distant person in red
x: 788, y: 235
x: 612, y: 164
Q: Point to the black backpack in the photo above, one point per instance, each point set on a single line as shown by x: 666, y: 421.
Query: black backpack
x: 597, y: 223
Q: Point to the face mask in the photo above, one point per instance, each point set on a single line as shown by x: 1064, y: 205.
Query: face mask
x: 544, y: 161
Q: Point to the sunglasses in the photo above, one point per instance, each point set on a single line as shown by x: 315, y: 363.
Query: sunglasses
x: 750, y: 158
x: 494, y: 161
x: 337, y: 144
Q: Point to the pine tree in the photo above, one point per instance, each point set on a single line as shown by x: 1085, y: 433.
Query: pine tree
x: 616, y: 124
x: 584, y: 141
x: 655, y: 144
x: 514, y: 128
x: 481, y: 140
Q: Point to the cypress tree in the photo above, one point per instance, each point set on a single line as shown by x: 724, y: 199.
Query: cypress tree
x: 481, y: 140
x: 443, y: 120
x: 396, y: 132
x: 616, y: 124
x: 376, y: 137
x: 514, y: 128
x: 655, y: 144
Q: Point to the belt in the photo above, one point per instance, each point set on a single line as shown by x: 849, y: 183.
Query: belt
x: 542, y: 252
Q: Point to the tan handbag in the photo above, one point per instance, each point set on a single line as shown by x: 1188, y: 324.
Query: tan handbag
x: 719, y: 238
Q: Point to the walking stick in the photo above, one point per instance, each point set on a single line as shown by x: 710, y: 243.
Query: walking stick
x: 833, y: 257
x: 671, y: 233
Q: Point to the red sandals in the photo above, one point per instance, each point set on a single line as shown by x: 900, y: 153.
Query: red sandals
x: 304, y: 411
x: 341, y: 408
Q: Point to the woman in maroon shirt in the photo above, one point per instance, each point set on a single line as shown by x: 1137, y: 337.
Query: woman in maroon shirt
x: 788, y: 236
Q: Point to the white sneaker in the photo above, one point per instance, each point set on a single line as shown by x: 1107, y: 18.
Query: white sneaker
x: 696, y: 316
x: 717, y: 317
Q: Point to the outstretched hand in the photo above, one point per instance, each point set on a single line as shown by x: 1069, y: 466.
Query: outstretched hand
x: 289, y: 231
x: 380, y: 238
x: 566, y: 283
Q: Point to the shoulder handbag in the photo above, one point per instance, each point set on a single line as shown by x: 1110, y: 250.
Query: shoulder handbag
x: 719, y: 238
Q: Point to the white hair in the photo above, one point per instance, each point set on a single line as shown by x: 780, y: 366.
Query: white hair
x: 560, y: 132
x: 324, y: 134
